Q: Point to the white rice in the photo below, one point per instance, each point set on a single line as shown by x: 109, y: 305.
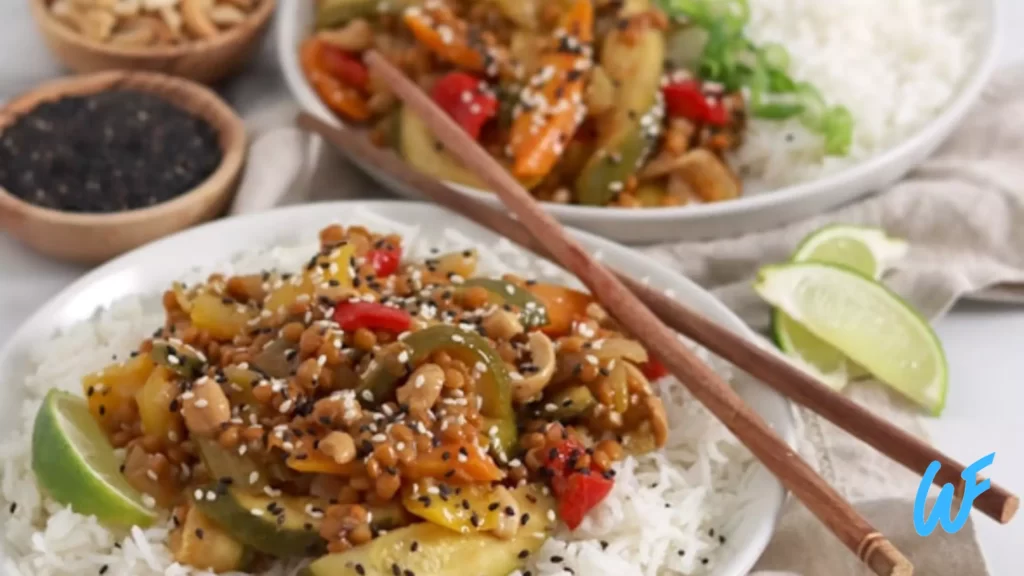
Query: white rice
x: 895, y: 64
x: 658, y: 520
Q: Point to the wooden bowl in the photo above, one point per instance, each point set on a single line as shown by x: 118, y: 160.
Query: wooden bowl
x: 205, y: 61
x: 93, y: 238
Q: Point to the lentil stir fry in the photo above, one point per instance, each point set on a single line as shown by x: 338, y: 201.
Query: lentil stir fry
x: 380, y: 413
x: 624, y: 103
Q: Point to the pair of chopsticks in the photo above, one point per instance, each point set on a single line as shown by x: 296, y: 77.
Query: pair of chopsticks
x: 645, y: 312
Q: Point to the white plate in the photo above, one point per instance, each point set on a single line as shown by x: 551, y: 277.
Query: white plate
x: 149, y: 270
x: 723, y: 219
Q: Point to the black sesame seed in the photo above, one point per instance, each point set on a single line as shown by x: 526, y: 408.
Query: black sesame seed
x: 524, y: 520
x: 415, y: 546
x: 681, y: 552
x: 494, y: 506
x: 199, y: 533
x: 360, y: 570
x: 107, y: 152
x: 704, y: 560
x: 604, y: 544
x: 14, y: 507
x: 104, y: 568
x: 524, y: 554
x: 557, y: 559
x: 396, y: 569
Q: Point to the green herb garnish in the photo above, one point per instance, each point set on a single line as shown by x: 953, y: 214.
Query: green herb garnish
x: 733, y: 60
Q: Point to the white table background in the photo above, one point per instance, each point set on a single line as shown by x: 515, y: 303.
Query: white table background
x: 984, y: 344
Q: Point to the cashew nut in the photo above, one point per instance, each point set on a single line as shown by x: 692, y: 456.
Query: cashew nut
x: 95, y: 24
x: 542, y: 352
x: 502, y: 324
x: 422, y: 388
x: 678, y: 187
x: 339, y: 446
x: 356, y: 36
x: 226, y: 15
x: 139, y: 32
x: 125, y: 8
x: 206, y: 409
x: 195, y: 17
x: 708, y: 176
x: 173, y: 21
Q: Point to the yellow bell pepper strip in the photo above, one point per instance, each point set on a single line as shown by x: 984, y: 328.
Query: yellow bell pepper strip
x: 457, y: 463
x: 469, y: 347
x: 342, y: 98
x: 551, y: 106
x: 442, y: 32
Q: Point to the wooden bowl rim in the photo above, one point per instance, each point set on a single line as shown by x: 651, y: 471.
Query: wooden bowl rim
x: 230, y: 130
x: 254, y: 22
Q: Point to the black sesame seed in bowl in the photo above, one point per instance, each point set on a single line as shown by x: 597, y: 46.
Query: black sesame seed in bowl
x: 107, y: 152
x: 93, y: 166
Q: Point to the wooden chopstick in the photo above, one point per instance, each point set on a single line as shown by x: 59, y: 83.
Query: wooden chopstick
x: 821, y: 499
x: 758, y: 361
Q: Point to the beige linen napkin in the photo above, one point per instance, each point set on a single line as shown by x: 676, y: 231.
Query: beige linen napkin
x: 963, y: 213
x: 962, y: 210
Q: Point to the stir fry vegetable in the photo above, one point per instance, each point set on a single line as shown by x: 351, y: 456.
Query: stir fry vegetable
x: 293, y: 415
x: 639, y: 103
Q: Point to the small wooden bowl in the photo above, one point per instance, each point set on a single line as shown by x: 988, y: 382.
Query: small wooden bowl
x: 205, y: 61
x: 93, y: 238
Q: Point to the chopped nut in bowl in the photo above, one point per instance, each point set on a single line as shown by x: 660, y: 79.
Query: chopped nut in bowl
x: 203, y: 40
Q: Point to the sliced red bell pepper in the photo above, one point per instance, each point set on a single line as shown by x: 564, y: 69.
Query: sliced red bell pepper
x: 561, y: 458
x: 582, y: 492
x: 577, y: 490
x: 654, y: 369
x: 372, y: 316
x: 686, y: 99
x: 344, y: 67
x: 459, y: 94
x: 337, y: 94
x: 385, y: 260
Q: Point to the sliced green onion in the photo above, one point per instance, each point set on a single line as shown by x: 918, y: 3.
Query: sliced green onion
x: 775, y: 57
x: 778, y: 111
x: 837, y: 126
x: 731, y: 59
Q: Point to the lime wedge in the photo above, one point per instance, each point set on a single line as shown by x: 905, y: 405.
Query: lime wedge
x: 75, y: 464
x: 868, y: 251
x: 866, y: 322
x: 810, y: 352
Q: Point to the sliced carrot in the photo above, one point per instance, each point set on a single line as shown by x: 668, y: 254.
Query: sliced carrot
x: 564, y: 306
x: 343, y: 99
x: 555, y: 98
x: 460, y: 463
x: 443, y: 33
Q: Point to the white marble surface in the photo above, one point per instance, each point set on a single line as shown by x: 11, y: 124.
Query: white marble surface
x: 983, y: 343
